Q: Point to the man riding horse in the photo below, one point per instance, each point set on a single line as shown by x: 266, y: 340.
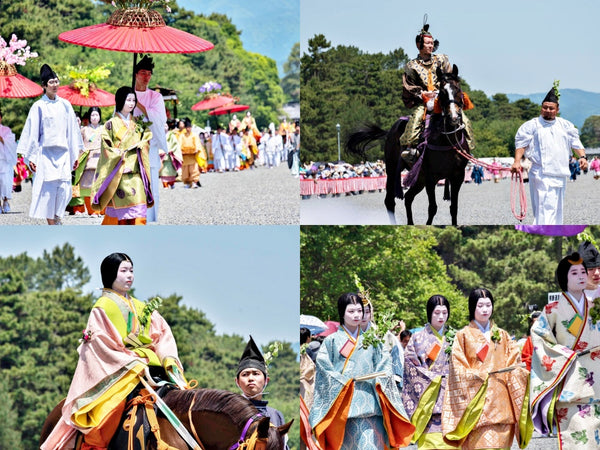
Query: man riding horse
x: 420, y: 87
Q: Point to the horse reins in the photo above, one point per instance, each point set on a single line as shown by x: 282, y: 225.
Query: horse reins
x: 243, y: 440
x: 517, y: 184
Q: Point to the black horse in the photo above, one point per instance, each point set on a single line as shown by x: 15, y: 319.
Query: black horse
x: 443, y: 134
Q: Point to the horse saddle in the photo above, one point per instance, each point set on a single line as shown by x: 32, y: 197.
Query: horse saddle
x: 135, y: 431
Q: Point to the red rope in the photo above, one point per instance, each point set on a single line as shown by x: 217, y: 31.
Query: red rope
x: 516, y: 184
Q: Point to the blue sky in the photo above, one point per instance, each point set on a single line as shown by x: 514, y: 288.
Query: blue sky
x: 244, y: 278
x: 509, y: 46
x: 269, y: 27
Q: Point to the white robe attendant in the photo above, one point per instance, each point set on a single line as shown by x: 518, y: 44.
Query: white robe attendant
x: 51, y: 139
x: 157, y: 114
x: 8, y: 160
x: 221, y: 145
x: 548, y: 146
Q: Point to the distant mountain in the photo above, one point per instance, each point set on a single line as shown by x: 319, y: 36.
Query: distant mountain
x: 269, y: 27
x: 575, y: 105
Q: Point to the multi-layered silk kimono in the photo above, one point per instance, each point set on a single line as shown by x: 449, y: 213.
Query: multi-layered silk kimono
x: 353, y: 413
x: 116, y: 353
x: 485, y: 403
x: 122, y: 182
x: 565, y: 367
x: 425, y: 376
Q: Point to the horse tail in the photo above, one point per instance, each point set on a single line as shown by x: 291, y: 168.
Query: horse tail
x: 361, y: 139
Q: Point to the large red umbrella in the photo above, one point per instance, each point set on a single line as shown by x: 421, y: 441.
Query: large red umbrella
x: 214, y: 102
x: 96, y: 97
x: 136, y: 31
x: 14, y: 85
x: 227, y: 109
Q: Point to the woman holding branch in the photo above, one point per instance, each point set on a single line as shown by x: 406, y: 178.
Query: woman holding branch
x: 485, y: 404
x: 356, y: 403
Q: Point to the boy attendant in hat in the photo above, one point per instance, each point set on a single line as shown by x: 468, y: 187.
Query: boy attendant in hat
x: 591, y: 258
x: 50, y: 144
x: 151, y: 104
x: 252, y: 379
x: 547, y: 141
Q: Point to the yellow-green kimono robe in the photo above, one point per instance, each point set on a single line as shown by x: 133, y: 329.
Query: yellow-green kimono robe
x: 483, y: 409
x: 122, y: 179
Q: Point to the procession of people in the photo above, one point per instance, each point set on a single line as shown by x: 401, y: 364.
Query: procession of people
x: 471, y: 388
x: 116, y: 169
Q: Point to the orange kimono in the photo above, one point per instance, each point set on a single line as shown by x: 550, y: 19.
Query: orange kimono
x: 484, y: 405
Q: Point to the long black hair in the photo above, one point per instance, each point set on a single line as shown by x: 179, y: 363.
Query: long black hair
x: 110, y: 267
x: 121, y: 96
x: 436, y: 300
x: 348, y: 299
x: 474, y: 297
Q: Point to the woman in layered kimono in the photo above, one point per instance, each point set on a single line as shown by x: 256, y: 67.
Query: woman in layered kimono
x: 88, y: 159
x: 356, y: 403
x: 122, y: 179
x: 123, y: 337
x: 565, y: 364
x: 485, y: 404
x: 425, y: 374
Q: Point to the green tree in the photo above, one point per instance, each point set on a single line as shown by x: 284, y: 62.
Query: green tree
x: 398, y: 265
x: 590, y: 132
x: 290, y: 83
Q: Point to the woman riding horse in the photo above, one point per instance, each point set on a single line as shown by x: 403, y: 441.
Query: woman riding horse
x: 122, y: 338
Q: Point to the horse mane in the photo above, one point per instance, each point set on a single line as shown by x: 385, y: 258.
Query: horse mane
x: 234, y: 406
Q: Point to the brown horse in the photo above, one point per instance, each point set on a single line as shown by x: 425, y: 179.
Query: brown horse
x: 439, y: 161
x: 217, y: 417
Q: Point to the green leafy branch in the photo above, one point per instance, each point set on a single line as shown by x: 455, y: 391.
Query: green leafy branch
x: 85, y: 80
x: 149, y: 308
x: 273, y: 352
x: 375, y: 335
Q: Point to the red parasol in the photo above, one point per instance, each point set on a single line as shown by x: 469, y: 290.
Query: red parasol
x: 96, y: 97
x: 13, y: 85
x: 227, y: 109
x: 136, y: 30
x: 332, y: 327
x: 215, y: 102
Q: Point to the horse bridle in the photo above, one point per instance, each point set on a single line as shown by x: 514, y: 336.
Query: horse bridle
x: 243, y: 440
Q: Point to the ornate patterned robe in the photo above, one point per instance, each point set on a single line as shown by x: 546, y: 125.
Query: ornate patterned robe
x: 483, y: 409
x: 425, y: 376
x: 110, y: 363
x: 421, y: 76
x: 564, y: 390
x: 351, y: 414
x: 122, y: 180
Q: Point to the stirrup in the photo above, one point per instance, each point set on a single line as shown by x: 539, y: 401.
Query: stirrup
x: 410, y: 155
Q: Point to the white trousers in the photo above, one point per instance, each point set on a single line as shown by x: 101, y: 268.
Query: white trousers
x: 6, y: 184
x: 230, y: 160
x: 547, y: 198
x: 155, y: 184
x: 53, y: 198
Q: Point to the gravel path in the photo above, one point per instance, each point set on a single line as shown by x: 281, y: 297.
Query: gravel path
x: 251, y: 197
x: 486, y: 204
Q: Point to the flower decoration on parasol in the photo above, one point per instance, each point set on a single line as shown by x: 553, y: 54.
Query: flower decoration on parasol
x: 212, y: 99
x: 228, y: 109
x: 12, y: 84
x: 82, y: 91
x: 135, y: 28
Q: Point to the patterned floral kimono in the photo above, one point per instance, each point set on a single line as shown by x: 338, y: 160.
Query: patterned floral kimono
x: 122, y: 180
x: 425, y: 375
x: 483, y: 409
x: 564, y: 367
x: 349, y: 413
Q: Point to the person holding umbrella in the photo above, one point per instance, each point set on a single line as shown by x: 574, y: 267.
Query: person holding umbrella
x: 50, y: 144
x: 151, y: 104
